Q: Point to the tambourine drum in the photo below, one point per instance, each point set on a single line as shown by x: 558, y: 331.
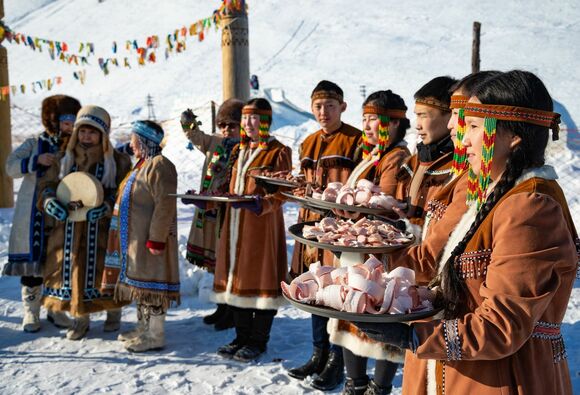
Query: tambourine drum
x: 82, y: 186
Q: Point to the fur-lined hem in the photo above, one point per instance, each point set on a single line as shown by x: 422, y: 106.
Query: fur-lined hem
x: 21, y: 269
x: 431, y: 377
x: 248, y: 302
x: 361, y: 347
x: 127, y: 293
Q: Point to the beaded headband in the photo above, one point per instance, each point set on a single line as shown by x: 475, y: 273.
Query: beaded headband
x: 548, y: 119
x: 430, y: 102
x: 253, y: 110
x: 458, y: 101
x: 392, y: 113
x: 326, y: 95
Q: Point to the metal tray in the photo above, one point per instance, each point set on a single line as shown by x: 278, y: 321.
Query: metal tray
x: 296, y: 233
x: 277, y: 181
x: 358, y: 209
x: 304, y: 203
x: 221, y: 199
x: 364, y: 317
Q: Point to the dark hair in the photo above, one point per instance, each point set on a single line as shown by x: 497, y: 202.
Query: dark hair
x: 437, y: 88
x: 468, y: 83
x: 517, y: 88
x: 261, y: 104
x: 389, y: 100
x: 328, y: 86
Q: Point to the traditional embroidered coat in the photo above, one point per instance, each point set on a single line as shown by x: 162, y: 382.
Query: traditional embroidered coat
x: 202, y: 242
x: 519, y: 270
x: 343, y: 333
x: 27, y: 248
x: 419, y: 182
x: 145, y: 217
x: 76, y: 250
x: 324, y: 158
x: 443, y: 213
x: 252, y: 257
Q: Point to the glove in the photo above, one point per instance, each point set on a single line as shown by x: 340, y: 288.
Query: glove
x: 395, y: 333
x: 254, y: 205
x: 55, y: 209
x: 96, y: 213
x: 188, y: 120
x: 200, y: 204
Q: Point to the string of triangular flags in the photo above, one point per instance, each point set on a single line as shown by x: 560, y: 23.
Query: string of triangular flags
x: 38, y: 86
x: 146, y: 50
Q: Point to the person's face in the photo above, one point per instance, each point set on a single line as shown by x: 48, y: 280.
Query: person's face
x: 66, y: 127
x: 431, y: 123
x: 251, y: 124
x: 371, y: 128
x: 136, y: 146
x: 327, y: 113
x: 229, y: 129
x: 473, y: 142
x: 88, y: 136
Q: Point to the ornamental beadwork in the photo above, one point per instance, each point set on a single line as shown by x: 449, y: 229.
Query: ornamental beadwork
x: 474, y: 264
x: 452, y: 340
x: 436, y: 208
x: 551, y: 331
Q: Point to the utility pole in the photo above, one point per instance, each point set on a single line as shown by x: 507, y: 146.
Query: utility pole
x: 235, y: 53
x: 150, y: 108
x: 7, y: 192
x: 363, y: 91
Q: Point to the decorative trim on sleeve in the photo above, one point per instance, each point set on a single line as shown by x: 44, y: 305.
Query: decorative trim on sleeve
x: 156, y: 245
x: 577, y: 242
x: 551, y: 331
x: 452, y: 340
x: 474, y: 264
x: 436, y: 208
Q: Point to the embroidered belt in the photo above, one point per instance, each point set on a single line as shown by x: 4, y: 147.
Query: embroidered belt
x: 551, y: 331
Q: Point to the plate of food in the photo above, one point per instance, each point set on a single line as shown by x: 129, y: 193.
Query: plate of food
x: 329, y: 312
x: 281, y: 181
x: 215, y: 198
x: 364, y: 292
x: 364, y: 236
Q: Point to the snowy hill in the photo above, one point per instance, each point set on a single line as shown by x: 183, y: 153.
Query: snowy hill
x: 381, y: 45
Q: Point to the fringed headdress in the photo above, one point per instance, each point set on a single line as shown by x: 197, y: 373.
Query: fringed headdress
x: 385, y: 115
x: 459, y: 158
x: 263, y: 129
x: 491, y: 113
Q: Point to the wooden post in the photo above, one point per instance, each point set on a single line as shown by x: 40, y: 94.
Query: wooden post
x: 6, y: 187
x: 236, y: 54
x: 213, y: 114
x: 475, y: 47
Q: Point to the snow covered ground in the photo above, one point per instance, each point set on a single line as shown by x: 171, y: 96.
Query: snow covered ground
x: 292, y: 46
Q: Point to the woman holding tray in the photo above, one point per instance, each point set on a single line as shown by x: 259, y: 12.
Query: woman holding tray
x: 510, y: 263
x: 251, y: 259
x: 383, y: 151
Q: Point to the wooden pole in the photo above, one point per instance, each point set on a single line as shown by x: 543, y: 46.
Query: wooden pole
x: 213, y: 117
x: 6, y: 187
x: 236, y: 54
x: 475, y: 47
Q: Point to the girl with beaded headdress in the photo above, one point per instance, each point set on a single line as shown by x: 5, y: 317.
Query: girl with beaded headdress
x: 509, y: 264
x: 251, y: 259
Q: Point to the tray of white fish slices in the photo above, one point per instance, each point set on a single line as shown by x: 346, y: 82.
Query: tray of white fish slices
x: 364, y: 197
x: 361, y: 293
x: 364, y: 236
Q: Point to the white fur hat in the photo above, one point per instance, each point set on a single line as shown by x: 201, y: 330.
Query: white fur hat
x: 94, y: 116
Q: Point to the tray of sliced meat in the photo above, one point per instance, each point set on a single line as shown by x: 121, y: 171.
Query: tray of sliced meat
x: 326, y: 205
x: 364, y: 292
x: 281, y: 182
x: 329, y: 312
x: 364, y: 236
x: 211, y: 198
